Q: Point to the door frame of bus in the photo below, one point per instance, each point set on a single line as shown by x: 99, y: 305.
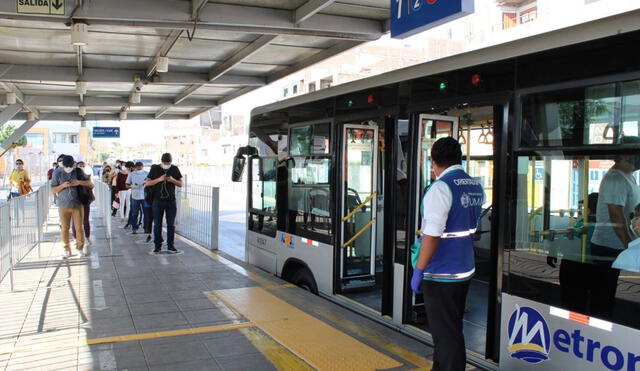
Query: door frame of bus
x: 501, y: 105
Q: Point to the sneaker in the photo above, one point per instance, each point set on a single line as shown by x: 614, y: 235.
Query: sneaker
x: 135, y: 231
x: 172, y: 249
x: 127, y: 226
x: 87, y: 241
x: 148, y: 238
x: 67, y: 254
x: 156, y: 250
x: 83, y: 253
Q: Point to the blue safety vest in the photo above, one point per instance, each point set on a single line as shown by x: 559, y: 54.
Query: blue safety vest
x: 454, y: 258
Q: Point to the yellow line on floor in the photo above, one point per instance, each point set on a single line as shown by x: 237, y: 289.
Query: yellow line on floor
x: 314, y: 341
x: 130, y: 337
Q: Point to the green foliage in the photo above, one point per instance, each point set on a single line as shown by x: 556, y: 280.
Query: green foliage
x: 6, y: 131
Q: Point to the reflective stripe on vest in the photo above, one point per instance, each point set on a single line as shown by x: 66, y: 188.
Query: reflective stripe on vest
x: 449, y: 276
x: 458, y: 234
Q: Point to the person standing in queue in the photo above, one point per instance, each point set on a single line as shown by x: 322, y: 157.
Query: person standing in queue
x: 164, y: 178
x: 445, y: 262
x: 617, y: 198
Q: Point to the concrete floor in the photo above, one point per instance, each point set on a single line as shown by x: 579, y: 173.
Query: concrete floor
x: 124, y: 309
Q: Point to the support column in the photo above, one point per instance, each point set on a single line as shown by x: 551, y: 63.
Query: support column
x: 20, y: 131
x: 9, y: 112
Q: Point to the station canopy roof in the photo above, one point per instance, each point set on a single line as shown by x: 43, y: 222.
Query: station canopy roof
x: 216, y: 51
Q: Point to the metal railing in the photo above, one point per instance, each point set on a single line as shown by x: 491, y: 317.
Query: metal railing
x: 103, y: 201
x: 198, y: 214
x: 22, y: 223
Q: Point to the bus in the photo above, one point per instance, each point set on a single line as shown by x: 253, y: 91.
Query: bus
x: 335, y: 179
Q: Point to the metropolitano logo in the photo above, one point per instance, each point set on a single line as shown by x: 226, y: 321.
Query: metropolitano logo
x: 529, y: 335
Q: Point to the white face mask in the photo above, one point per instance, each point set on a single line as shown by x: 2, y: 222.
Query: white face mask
x: 635, y: 226
x: 166, y: 167
x: 60, y: 163
x: 68, y: 170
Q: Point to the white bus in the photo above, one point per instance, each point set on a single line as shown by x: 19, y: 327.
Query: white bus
x: 335, y: 179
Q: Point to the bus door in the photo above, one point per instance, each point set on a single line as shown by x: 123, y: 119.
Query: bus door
x: 432, y: 128
x: 358, y: 220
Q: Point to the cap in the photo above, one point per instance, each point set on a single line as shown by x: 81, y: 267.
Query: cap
x: 68, y: 161
x: 166, y: 157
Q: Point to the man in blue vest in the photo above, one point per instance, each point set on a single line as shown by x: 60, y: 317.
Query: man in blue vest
x: 446, y: 263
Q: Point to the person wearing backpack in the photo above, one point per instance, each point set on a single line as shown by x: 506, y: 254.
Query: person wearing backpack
x: 67, y: 186
x: 87, y: 197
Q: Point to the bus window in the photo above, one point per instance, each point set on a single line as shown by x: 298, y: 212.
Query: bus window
x: 310, y: 140
x: 309, y: 203
x: 262, y: 213
x: 601, y: 114
x: 567, y: 247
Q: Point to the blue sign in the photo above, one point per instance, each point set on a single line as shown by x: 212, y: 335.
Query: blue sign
x: 409, y: 17
x: 529, y: 335
x: 106, y: 132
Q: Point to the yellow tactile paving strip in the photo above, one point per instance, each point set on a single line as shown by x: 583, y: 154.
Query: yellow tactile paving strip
x: 314, y: 341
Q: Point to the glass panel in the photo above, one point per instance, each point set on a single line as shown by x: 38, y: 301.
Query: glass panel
x: 600, y: 114
x: 359, y: 228
x: 573, y: 217
x: 263, y: 184
x: 321, y: 136
x: 309, y: 198
x: 301, y: 140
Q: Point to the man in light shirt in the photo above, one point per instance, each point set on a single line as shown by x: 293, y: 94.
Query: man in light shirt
x: 445, y: 262
x: 135, y: 181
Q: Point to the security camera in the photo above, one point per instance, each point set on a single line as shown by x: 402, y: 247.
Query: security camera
x: 138, y: 85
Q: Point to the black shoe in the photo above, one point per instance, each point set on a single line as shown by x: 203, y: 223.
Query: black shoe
x: 127, y: 226
x: 135, y: 231
x: 148, y: 238
x: 156, y: 250
x: 172, y: 249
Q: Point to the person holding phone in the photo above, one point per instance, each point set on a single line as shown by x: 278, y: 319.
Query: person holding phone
x: 135, y: 182
x: 164, y: 178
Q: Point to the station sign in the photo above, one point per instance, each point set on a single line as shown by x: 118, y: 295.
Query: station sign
x: 106, y: 132
x: 409, y: 17
x: 54, y: 7
x: 535, y: 336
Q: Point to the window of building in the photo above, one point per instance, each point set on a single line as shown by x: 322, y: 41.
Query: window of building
x: 294, y: 89
x: 285, y: 92
x: 312, y: 87
x: 327, y: 82
x: 35, y: 140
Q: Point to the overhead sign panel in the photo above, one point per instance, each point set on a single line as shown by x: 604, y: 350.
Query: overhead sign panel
x: 55, y: 7
x: 409, y: 17
x: 106, y: 132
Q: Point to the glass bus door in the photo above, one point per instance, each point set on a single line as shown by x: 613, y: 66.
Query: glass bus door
x: 358, y: 220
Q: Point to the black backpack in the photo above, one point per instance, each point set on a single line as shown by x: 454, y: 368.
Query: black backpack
x: 85, y: 194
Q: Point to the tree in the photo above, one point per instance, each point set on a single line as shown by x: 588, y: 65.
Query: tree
x: 6, y: 131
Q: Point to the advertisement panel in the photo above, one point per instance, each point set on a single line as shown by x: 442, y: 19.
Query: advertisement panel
x: 535, y: 336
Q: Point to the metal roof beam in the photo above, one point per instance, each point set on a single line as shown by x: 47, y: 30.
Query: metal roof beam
x: 44, y: 74
x: 186, y: 93
x: 162, y: 111
x: 309, y: 9
x: 72, y: 116
x: 251, y: 49
x: 10, y: 87
x: 176, y: 14
x: 89, y: 101
x: 9, y: 112
x: 196, y: 6
x: 16, y: 135
x: 164, y: 50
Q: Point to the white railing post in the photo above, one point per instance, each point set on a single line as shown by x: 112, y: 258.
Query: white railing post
x: 215, y: 205
x: 38, y: 221
x: 10, y: 247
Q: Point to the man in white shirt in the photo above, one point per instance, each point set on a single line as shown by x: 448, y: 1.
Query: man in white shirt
x: 446, y: 262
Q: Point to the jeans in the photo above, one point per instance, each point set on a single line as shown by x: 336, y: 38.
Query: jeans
x: 136, y: 209
x: 86, y: 223
x: 159, y: 210
x: 148, y: 218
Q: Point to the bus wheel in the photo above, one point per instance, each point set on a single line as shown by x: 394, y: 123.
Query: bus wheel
x: 304, y: 279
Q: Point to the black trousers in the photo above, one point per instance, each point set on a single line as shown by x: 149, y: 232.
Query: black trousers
x: 444, y: 304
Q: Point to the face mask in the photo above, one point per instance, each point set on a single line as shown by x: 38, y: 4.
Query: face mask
x: 60, y: 163
x: 19, y: 166
x: 166, y: 167
x: 635, y: 226
x: 68, y: 170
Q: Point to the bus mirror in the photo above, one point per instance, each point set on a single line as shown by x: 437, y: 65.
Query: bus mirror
x: 238, y: 168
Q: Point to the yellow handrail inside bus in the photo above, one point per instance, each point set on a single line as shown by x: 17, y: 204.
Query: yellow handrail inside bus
x: 366, y: 201
x: 359, y: 233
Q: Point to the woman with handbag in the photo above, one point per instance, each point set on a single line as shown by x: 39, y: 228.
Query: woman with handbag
x: 20, y: 181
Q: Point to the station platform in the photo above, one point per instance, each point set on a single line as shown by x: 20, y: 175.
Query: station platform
x: 123, y: 308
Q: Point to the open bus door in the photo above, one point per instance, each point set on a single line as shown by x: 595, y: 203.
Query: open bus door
x: 358, y: 220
